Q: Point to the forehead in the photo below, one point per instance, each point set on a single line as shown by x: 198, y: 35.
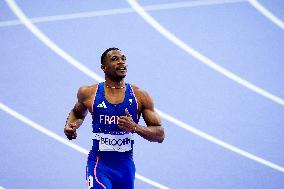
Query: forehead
x: 115, y: 53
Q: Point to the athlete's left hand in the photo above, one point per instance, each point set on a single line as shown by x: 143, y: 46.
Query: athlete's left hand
x: 126, y: 122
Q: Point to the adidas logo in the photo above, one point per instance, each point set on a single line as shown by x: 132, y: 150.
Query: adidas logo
x: 102, y: 105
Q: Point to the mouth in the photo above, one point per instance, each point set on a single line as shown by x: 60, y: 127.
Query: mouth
x: 121, y: 69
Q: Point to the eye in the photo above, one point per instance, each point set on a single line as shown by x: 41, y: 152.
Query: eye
x: 123, y: 58
x: 114, y: 58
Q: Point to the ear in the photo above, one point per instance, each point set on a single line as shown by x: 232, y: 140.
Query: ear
x: 103, y: 67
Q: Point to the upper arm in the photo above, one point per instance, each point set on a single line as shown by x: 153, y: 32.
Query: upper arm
x: 150, y: 117
x: 80, y: 109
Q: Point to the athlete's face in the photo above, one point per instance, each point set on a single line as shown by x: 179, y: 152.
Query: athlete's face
x: 115, y: 65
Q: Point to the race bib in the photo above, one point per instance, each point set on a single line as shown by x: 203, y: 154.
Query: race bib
x: 114, y: 142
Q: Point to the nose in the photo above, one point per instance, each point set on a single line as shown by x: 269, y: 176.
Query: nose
x: 121, y: 61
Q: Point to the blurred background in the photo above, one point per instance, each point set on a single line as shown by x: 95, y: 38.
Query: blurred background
x: 40, y: 83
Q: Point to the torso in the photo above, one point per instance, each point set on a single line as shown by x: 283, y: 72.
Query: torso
x: 113, y: 97
x: 106, y: 105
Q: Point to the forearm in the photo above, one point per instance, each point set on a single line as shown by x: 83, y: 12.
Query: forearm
x: 73, y: 117
x: 151, y: 133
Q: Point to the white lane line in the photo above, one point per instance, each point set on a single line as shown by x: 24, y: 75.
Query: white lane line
x: 42, y: 37
x: 220, y: 142
x: 109, y: 12
x: 69, y: 16
x: 93, y: 75
x: 64, y: 141
x: 207, y: 61
x: 73, y: 62
x: 267, y: 13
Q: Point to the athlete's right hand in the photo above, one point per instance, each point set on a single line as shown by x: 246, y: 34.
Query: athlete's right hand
x: 70, y: 131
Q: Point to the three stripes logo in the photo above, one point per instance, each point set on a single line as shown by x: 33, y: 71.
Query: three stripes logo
x: 102, y: 105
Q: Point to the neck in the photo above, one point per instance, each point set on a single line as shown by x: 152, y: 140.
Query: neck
x: 114, y: 84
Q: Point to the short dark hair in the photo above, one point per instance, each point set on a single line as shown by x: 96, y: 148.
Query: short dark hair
x: 106, y: 51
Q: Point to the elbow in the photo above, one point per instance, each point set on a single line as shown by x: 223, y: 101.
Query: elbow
x: 161, y: 140
x: 162, y: 137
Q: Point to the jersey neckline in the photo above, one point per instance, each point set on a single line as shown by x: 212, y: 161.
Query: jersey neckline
x: 124, y: 99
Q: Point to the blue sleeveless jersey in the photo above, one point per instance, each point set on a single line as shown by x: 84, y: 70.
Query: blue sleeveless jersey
x: 105, y: 128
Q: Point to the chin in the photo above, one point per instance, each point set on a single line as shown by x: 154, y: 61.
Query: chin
x: 119, y: 77
x: 122, y: 76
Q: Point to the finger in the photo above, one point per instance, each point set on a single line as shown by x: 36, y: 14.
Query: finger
x: 73, y: 125
x: 69, y: 137
x: 72, y: 136
x: 123, y: 118
x: 121, y: 121
x: 127, y: 113
x: 69, y: 134
x: 69, y: 129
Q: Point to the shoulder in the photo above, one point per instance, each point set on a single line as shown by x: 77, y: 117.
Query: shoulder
x: 138, y: 91
x: 85, y: 92
x: 142, y: 96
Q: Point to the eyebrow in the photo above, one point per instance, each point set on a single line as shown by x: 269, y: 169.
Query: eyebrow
x: 115, y: 56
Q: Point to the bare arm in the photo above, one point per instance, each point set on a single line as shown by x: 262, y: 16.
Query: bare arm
x: 154, y: 131
x: 76, y: 116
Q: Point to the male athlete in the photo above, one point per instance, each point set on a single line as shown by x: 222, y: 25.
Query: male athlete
x: 115, y: 107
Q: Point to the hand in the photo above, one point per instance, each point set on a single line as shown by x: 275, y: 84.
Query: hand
x: 70, y: 131
x: 126, y: 122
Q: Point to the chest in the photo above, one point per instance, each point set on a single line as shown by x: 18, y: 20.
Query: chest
x: 113, y: 102
x: 114, y: 99
x: 115, y: 96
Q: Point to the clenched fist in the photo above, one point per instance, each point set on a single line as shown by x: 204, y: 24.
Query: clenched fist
x: 126, y: 122
x: 70, y: 131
